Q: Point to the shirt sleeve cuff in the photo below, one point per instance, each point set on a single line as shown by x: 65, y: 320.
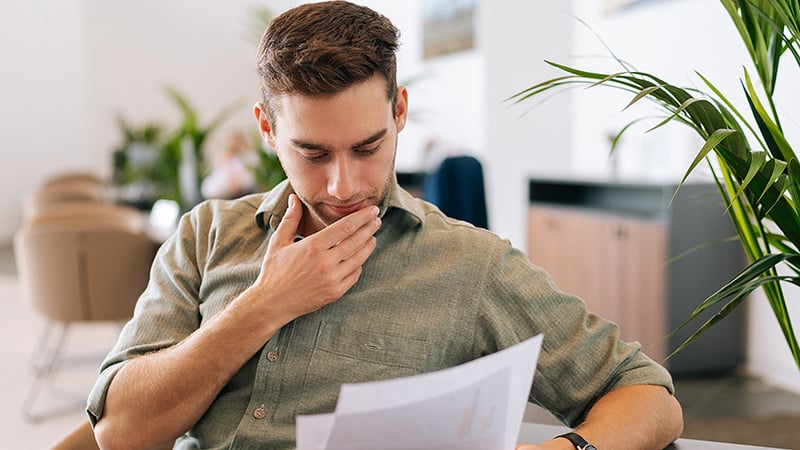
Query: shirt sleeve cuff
x: 97, y: 396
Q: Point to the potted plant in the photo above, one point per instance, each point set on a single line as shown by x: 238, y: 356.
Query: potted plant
x: 152, y: 164
x: 181, y: 165
x: 751, y: 159
x: 134, y: 162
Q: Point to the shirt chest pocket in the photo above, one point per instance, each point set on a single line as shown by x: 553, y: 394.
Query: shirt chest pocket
x: 345, y: 355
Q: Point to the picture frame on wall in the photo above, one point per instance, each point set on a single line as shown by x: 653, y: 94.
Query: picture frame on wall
x: 448, y: 26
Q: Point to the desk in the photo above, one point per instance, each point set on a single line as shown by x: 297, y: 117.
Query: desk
x: 534, y: 432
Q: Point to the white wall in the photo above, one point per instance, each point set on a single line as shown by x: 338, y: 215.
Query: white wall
x: 767, y: 353
x: 43, y: 98
x: 635, y: 36
x: 522, y: 141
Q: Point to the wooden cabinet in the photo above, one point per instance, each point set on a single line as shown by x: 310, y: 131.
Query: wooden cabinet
x: 611, y: 244
x: 615, y: 264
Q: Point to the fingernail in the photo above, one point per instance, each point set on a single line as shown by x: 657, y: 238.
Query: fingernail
x: 375, y: 210
x: 291, y: 200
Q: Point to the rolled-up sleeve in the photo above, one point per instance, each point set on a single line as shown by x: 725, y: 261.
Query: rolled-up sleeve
x: 582, y: 356
x: 165, y: 314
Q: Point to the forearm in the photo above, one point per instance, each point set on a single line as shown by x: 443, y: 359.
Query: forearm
x: 157, y: 397
x: 634, y: 417
x: 640, y: 417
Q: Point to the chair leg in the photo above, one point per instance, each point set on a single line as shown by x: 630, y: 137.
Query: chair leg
x: 48, y: 358
x: 51, y: 348
x: 41, y: 352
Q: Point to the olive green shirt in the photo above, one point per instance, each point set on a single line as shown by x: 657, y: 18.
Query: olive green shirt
x: 435, y: 293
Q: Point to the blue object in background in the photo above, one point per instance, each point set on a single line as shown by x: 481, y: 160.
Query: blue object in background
x: 456, y: 187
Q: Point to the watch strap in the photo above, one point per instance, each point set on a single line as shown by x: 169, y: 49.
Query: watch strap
x: 577, y: 440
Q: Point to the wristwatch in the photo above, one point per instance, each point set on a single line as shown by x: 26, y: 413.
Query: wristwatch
x: 578, y: 441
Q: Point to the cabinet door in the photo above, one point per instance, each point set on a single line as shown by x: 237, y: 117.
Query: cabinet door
x: 616, y: 265
x: 638, y: 254
x: 561, y: 241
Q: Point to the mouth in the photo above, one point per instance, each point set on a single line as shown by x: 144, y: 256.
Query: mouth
x: 344, y: 210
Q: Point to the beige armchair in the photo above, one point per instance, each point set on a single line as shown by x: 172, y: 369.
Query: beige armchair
x: 80, y: 262
x: 72, y: 177
x: 66, y: 188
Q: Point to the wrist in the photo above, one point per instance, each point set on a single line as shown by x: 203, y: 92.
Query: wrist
x: 576, y: 441
x: 264, y: 305
x: 554, y: 444
x: 252, y: 319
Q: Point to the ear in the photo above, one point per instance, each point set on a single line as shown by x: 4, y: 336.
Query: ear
x: 401, y: 108
x: 264, y: 127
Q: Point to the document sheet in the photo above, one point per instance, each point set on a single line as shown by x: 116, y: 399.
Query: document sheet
x: 477, y: 405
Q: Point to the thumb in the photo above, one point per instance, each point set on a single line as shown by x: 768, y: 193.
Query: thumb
x: 287, y: 229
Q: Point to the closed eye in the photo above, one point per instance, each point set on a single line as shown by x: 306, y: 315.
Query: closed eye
x: 366, y: 151
x: 315, y: 157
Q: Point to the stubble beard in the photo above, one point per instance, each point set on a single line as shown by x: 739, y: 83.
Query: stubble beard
x: 319, y: 212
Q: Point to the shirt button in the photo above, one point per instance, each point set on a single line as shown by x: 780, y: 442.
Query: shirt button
x: 272, y: 356
x: 260, y: 412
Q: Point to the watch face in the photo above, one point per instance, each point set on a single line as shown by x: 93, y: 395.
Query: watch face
x: 589, y: 447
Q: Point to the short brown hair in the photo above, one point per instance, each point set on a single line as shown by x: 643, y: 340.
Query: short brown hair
x: 320, y: 49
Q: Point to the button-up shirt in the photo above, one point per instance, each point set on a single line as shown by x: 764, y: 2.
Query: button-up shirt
x: 435, y: 293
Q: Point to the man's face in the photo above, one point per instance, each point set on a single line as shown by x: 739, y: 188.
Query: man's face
x: 337, y: 151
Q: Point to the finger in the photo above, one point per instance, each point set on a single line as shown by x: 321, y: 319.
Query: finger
x: 353, y: 243
x: 357, y: 258
x: 346, y: 226
x: 287, y: 229
x: 353, y: 266
x: 351, y: 279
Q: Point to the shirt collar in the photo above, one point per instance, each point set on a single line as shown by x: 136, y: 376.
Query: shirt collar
x: 270, y: 213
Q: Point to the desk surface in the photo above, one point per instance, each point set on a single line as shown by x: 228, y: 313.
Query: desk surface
x: 534, y: 432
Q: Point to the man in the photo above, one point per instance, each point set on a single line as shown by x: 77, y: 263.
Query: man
x: 258, y: 309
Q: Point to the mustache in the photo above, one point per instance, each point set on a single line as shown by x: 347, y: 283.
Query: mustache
x: 348, y: 202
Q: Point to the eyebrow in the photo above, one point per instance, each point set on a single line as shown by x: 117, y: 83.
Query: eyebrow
x: 308, y: 145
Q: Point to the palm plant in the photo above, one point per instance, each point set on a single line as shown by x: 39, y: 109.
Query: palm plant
x: 756, y: 170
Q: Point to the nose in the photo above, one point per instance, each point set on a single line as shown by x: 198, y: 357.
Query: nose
x: 341, y: 179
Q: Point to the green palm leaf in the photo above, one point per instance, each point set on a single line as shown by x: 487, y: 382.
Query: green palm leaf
x: 760, y: 182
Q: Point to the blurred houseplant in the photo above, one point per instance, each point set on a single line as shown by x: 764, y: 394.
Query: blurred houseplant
x: 756, y: 167
x: 153, y: 164
x: 181, y: 162
x: 134, y: 161
x: 267, y: 171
